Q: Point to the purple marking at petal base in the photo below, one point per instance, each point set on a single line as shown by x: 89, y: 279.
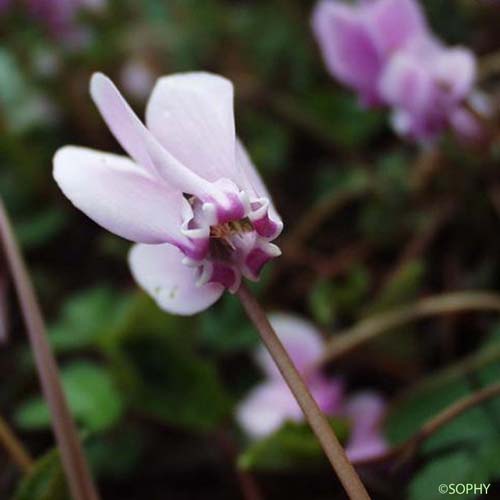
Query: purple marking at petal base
x: 265, y: 227
x: 256, y: 260
x: 235, y: 211
x: 198, y: 250
x: 223, y: 274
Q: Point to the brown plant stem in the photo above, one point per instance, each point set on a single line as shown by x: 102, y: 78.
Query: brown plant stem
x: 319, y: 424
x: 408, y: 448
x: 14, y: 447
x: 72, y: 457
x: 249, y: 488
x: 4, y: 311
x: 382, y: 323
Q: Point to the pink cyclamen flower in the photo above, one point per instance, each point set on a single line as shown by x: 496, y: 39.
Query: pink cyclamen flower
x: 384, y: 50
x: 60, y: 16
x: 271, y: 404
x: 356, y: 40
x: 189, y: 196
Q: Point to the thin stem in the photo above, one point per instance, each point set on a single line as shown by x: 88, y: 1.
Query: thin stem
x: 73, y: 460
x: 249, y: 488
x: 14, y: 447
x: 4, y: 312
x: 385, y: 322
x: 319, y: 424
x: 408, y: 448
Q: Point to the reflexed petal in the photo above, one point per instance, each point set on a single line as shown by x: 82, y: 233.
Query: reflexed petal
x: 327, y: 392
x: 301, y: 340
x: 249, y: 172
x: 266, y: 408
x: 456, y: 68
x: 118, y: 195
x: 192, y: 115
x: 467, y: 126
x: 408, y: 84
x: 365, y: 411
x: 160, y: 272
x: 347, y: 46
x: 254, y: 182
x: 394, y: 22
x: 139, y: 142
x: 121, y: 119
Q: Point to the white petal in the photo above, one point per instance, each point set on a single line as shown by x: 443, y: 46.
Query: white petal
x: 252, y: 177
x: 192, y: 116
x: 121, y: 119
x: 160, y: 272
x: 117, y: 194
x: 138, y: 141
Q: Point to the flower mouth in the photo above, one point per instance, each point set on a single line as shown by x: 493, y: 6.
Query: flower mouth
x: 229, y: 242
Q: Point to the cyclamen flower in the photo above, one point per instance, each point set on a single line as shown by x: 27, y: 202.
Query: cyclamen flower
x: 189, y: 195
x: 271, y: 404
x: 385, y: 51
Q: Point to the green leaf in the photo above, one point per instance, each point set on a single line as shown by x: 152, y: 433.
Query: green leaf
x: 224, y: 328
x: 292, y: 446
x: 45, y: 481
x: 340, y: 115
x: 40, y: 228
x: 454, y: 468
x: 88, y: 318
x: 173, y: 384
x: 92, y: 397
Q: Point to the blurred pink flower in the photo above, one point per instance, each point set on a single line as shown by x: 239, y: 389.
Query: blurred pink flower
x: 189, y: 196
x: 384, y: 50
x: 271, y: 404
x: 60, y: 16
x: 137, y: 79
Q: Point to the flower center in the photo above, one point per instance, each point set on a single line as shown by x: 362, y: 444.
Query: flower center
x: 223, y: 236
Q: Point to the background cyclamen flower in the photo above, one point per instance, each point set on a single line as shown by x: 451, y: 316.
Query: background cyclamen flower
x: 60, y: 16
x: 384, y: 50
x: 190, y: 196
x: 271, y: 404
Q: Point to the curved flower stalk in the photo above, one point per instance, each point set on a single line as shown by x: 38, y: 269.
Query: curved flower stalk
x: 385, y: 51
x: 190, y: 196
x: 270, y: 404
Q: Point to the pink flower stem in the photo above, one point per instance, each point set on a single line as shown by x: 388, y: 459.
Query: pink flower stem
x: 319, y: 424
x: 74, y: 463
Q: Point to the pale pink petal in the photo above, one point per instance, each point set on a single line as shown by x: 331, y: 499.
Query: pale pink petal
x: 121, y: 119
x: 253, y: 180
x: 254, y: 184
x: 159, y: 270
x: 300, y: 338
x: 327, y: 392
x: 408, y: 84
x: 348, y: 47
x: 393, y: 23
x: 267, y: 408
x: 365, y: 410
x: 456, y: 69
x: 139, y: 142
x: 118, y: 195
x: 192, y: 115
x: 467, y: 126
